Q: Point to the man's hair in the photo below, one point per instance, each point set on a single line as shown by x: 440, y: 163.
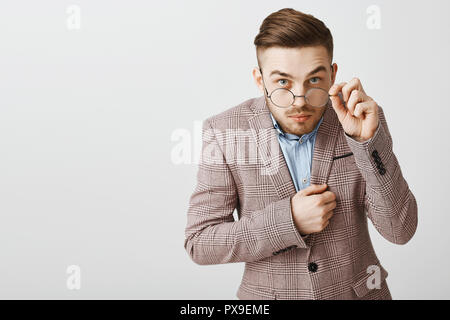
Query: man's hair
x: 290, y: 28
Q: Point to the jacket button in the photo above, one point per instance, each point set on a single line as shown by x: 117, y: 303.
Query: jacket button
x: 312, y: 266
x: 382, y: 171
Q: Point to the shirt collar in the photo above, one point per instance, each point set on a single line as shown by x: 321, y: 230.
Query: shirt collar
x: 293, y: 136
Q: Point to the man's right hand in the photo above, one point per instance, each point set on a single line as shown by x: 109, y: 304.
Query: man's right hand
x: 312, y: 208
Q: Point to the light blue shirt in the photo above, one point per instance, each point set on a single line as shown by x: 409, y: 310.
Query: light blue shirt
x: 298, y: 152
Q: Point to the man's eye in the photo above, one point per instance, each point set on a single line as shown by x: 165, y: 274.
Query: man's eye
x: 282, y: 84
x: 315, y: 78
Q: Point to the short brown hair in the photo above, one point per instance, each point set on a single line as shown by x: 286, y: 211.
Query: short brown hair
x: 290, y: 28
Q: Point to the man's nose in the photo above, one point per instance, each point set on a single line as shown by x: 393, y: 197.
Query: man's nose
x: 299, y: 100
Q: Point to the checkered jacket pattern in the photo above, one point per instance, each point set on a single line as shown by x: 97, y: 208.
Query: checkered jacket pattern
x: 242, y: 168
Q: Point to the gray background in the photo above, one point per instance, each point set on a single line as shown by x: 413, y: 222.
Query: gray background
x: 87, y: 116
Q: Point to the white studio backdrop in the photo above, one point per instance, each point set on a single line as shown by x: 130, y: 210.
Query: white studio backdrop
x: 93, y: 95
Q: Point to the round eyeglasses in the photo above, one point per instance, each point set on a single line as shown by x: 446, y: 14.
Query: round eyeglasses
x: 284, y: 98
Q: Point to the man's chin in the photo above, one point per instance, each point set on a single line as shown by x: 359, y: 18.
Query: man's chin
x: 299, y: 128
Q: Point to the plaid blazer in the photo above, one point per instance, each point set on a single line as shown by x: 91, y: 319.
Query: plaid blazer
x: 242, y: 167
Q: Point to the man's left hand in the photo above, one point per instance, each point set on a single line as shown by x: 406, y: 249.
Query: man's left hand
x: 359, y: 114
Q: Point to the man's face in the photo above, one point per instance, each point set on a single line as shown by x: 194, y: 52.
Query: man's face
x: 296, y: 69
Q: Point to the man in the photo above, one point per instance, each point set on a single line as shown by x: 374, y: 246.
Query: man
x: 316, y: 163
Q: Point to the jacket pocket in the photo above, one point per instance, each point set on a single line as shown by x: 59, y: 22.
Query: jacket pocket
x: 363, y: 284
x: 247, y: 291
x: 344, y: 162
x: 348, y: 154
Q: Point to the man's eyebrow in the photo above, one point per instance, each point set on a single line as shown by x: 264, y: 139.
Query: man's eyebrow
x: 283, y: 74
x: 287, y: 75
x: 318, y: 69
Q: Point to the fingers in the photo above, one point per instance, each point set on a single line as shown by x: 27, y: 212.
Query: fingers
x: 330, y: 206
x: 354, y: 84
x: 355, y: 97
x: 328, y: 215
x: 326, y: 224
x: 365, y: 108
x: 313, y: 189
x: 336, y: 88
x: 346, y: 88
x: 352, y: 93
x: 336, y: 101
x: 328, y: 196
x: 329, y: 209
x: 325, y: 221
x: 319, y: 192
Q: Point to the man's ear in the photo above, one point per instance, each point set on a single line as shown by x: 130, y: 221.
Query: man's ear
x: 258, y: 79
x: 334, y: 72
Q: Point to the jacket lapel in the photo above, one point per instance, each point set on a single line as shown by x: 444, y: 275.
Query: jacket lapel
x: 324, y: 146
x: 271, y: 155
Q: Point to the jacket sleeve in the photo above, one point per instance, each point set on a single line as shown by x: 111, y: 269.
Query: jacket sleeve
x: 212, y: 236
x: 389, y: 203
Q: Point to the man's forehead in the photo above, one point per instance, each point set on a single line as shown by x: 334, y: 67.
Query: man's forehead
x: 297, y: 74
x: 296, y: 62
x: 294, y: 73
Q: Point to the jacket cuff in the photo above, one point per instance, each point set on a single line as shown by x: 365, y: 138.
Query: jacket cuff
x: 372, y: 155
x: 284, y: 222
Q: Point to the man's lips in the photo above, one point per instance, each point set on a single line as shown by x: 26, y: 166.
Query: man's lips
x: 300, y: 117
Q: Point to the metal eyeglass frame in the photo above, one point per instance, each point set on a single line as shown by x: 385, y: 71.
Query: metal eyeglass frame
x: 293, y: 95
